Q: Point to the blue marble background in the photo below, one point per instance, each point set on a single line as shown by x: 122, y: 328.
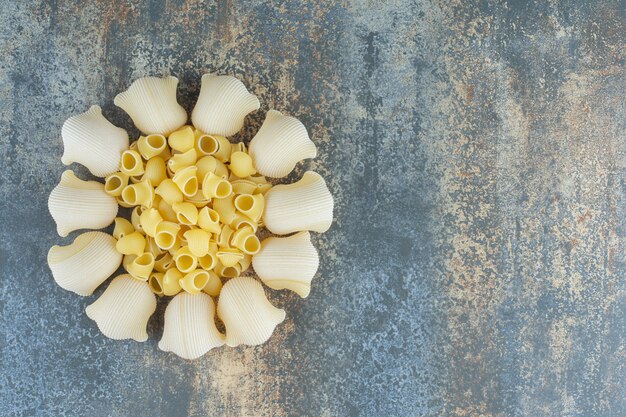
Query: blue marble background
x: 476, y: 153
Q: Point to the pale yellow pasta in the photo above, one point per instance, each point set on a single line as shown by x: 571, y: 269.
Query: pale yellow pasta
x: 245, y: 240
x: 141, y: 194
x: 155, y: 171
x: 209, y: 220
x: 171, y: 282
x: 153, y: 248
x: 169, y: 192
x: 155, y: 282
x: 184, y: 228
x: 163, y: 262
x: 205, y: 144
x: 115, y: 183
x: 250, y: 205
x: 240, y: 221
x: 149, y: 221
x: 166, y: 211
x: 241, y: 164
x: 244, y: 186
x: 244, y: 264
x: 136, y: 178
x: 215, y: 186
x: 227, y: 271
x: 198, y: 242
x: 151, y: 145
x: 225, y: 208
x: 222, y: 153
x: 122, y: 228
x: 229, y: 256
x: 185, y: 260
x: 198, y: 199
x: 221, y: 170
x: 186, y: 213
x: 182, y: 140
x: 131, y: 244
x: 262, y: 185
x: 135, y: 216
x: 223, y: 239
x: 133, y: 146
x: 208, y: 261
x: 121, y: 203
x: 141, y: 266
x: 205, y: 165
x: 193, y: 282
x: 177, y: 245
x: 237, y: 147
x: 213, y: 285
x: 131, y: 163
x: 187, y: 181
x: 182, y: 160
x: 165, y: 235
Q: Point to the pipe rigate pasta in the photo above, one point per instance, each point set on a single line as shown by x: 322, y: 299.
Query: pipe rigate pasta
x: 196, y: 203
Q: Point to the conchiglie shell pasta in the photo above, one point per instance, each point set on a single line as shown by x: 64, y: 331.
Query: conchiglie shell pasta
x: 86, y: 263
x: 247, y: 314
x: 194, y: 281
x: 182, y: 140
x: 222, y: 105
x: 151, y: 145
x: 198, y: 242
x: 123, y: 310
x: 304, y: 205
x: 151, y: 103
x: 75, y: 204
x: 280, y: 144
x: 189, y: 330
x: 122, y: 228
x: 155, y: 171
x: 287, y: 263
x: 115, y: 183
x: 93, y: 141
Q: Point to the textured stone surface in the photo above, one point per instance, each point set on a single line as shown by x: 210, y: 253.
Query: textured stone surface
x: 476, y: 153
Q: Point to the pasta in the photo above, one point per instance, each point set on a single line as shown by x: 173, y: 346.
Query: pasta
x: 193, y: 282
x: 182, y: 140
x: 205, y: 165
x: 225, y: 208
x: 214, y: 286
x: 171, y: 282
x: 214, y: 186
x: 155, y: 282
x: 206, y: 144
x: 91, y: 140
x: 222, y: 105
x: 135, y: 218
x: 151, y: 103
x: 123, y: 310
x: 208, y: 261
x: 240, y: 221
x: 198, y: 242
x: 209, y: 220
x: 250, y: 205
x: 140, y: 194
x: 287, y: 263
x: 163, y: 262
x: 115, y: 183
x: 223, y: 240
x: 131, y: 244
x: 280, y: 144
x: 186, y: 213
x: 155, y: 171
x: 304, y: 205
x: 245, y: 240
x: 169, y: 192
x: 243, y: 186
x: 165, y: 235
x: 122, y: 228
x: 153, y: 248
x: 166, y: 211
x: 247, y: 314
x: 85, y: 264
x: 241, y: 164
x: 229, y: 256
x: 187, y: 181
x: 182, y: 160
x: 149, y: 220
x: 189, y: 330
x: 151, y: 145
x: 76, y: 204
x: 141, y: 267
x: 131, y: 163
x: 185, y: 260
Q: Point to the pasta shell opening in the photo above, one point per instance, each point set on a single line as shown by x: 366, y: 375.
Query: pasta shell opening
x: 155, y: 283
x: 207, y: 144
x: 115, y: 183
x: 131, y: 163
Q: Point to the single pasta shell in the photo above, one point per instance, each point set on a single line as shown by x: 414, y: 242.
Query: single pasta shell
x: 247, y: 314
x: 151, y: 103
x: 93, y: 141
x: 287, y: 263
x: 303, y: 205
x: 189, y: 330
x: 75, y: 204
x: 123, y: 310
x: 280, y: 144
x: 84, y: 264
x: 222, y: 105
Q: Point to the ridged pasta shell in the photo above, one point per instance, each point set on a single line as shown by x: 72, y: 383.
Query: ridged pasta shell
x: 303, y: 205
x: 287, y: 263
x: 123, y: 309
x: 247, y: 314
x: 151, y: 103
x: 222, y: 105
x: 91, y: 140
x: 84, y: 264
x: 75, y: 204
x: 280, y: 144
x: 189, y: 330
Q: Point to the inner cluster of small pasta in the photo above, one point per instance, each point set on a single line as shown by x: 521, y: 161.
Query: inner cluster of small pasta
x: 197, y: 205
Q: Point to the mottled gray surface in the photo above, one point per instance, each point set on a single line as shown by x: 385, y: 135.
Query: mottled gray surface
x: 476, y: 153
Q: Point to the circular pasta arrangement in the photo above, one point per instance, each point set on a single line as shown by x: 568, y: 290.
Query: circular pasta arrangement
x: 197, y: 203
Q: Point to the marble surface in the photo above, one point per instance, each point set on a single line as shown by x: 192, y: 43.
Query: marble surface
x: 476, y: 154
